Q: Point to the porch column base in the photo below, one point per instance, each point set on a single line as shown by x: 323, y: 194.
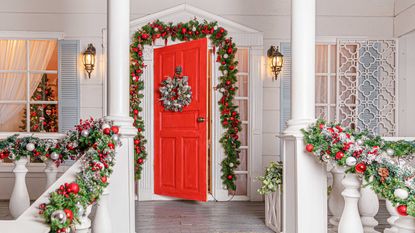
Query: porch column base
x: 305, y: 189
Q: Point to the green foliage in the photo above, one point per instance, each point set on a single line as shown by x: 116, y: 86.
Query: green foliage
x: 272, y: 179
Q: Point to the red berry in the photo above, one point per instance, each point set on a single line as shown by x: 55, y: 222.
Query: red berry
x: 360, y: 167
x: 115, y: 129
x: 339, y: 155
x: 309, y: 147
x: 69, y: 214
x: 402, y: 210
x: 107, y: 131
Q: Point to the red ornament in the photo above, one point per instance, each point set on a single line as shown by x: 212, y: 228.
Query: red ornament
x: 231, y: 67
x: 104, y: 179
x: 309, y: 147
x: 69, y: 214
x: 135, y: 112
x: 145, y: 36
x: 111, y: 146
x: 402, y: 210
x: 140, y: 161
x: 107, y: 131
x: 230, y: 177
x: 229, y: 51
x: 184, y: 30
x: 360, y: 167
x: 339, y: 155
x: 234, y: 113
x: 321, y: 126
x: 225, y: 123
x: 73, y: 188
x: 221, y: 30
x: 228, y: 82
x: 115, y: 129
x: 136, y: 142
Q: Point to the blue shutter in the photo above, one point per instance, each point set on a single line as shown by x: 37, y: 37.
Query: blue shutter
x: 69, y: 85
x: 285, y: 87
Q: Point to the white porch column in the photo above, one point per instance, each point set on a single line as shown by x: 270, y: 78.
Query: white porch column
x: 305, y: 179
x: 121, y: 188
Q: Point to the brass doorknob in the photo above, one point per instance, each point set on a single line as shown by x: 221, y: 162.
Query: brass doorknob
x: 200, y: 119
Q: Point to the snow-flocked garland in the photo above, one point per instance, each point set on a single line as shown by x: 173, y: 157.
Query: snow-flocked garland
x: 94, y: 143
x: 225, y: 51
x: 387, y: 166
x: 175, y: 92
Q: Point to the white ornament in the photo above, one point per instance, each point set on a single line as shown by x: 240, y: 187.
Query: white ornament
x: 54, y: 156
x: 30, y: 146
x: 59, y: 215
x: 156, y: 29
x: 230, y: 164
x: 225, y: 56
x: 115, y: 137
x: 351, y: 161
x: 371, y: 179
x: 104, y: 126
x: 215, y: 27
x: 401, y: 194
x: 81, y: 209
x: 359, y: 142
x: 85, y: 133
x: 390, y: 151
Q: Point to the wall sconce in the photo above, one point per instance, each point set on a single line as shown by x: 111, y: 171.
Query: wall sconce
x: 276, y: 60
x: 89, y: 59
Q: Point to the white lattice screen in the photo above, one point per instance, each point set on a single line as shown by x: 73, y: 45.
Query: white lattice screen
x: 366, y: 85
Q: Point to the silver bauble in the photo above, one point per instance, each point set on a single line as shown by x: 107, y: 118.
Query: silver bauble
x: 115, y: 137
x: 390, y: 151
x: 231, y: 165
x: 401, y: 194
x: 359, y: 142
x: 54, y: 156
x: 81, y: 209
x: 30, y: 146
x: 85, y: 133
x: 59, y: 215
x: 104, y: 126
x: 351, y: 161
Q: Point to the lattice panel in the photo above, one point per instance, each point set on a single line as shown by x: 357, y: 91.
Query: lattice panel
x: 366, y: 85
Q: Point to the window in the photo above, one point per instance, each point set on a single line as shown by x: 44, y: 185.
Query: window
x: 29, y: 85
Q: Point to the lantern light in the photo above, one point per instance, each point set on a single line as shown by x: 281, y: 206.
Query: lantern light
x: 89, y: 59
x: 276, y: 60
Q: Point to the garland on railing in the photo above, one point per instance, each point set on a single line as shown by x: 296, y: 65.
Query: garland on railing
x: 387, y: 166
x: 93, y: 141
x: 272, y: 178
x: 226, y: 49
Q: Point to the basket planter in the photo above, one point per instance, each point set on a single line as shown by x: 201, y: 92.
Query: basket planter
x: 273, y: 211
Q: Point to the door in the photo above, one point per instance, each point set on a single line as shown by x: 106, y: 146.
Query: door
x: 180, y: 138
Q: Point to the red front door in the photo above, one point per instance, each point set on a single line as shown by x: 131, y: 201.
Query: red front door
x: 180, y: 140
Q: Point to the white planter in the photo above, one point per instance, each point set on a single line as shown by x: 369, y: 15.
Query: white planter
x: 273, y: 211
x: 405, y: 224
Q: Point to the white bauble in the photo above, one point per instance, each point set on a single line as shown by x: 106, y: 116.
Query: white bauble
x: 224, y: 187
x: 104, y: 126
x: 54, y: 156
x: 156, y: 29
x: 390, y: 151
x: 115, y: 137
x: 85, y: 133
x: 81, y: 209
x: 359, y: 142
x: 215, y: 27
x: 371, y: 179
x: 225, y: 56
x: 59, y: 215
x: 30, y: 146
x: 401, y: 194
x: 351, y: 161
x: 231, y: 164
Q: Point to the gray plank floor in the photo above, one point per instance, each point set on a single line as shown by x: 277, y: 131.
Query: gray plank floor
x: 194, y: 217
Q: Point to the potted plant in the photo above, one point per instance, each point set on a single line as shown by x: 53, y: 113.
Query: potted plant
x: 271, y: 188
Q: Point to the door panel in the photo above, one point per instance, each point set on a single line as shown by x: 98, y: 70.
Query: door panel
x: 180, y: 141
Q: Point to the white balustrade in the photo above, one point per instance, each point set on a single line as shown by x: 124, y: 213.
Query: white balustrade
x: 392, y: 219
x: 19, y: 200
x: 368, y: 208
x: 84, y: 225
x: 102, y: 221
x: 350, y: 219
x: 336, y: 200
x: 405, y: 224
x: 51, y: 171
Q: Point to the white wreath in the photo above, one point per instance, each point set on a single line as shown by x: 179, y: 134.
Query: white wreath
x: 175, y: 92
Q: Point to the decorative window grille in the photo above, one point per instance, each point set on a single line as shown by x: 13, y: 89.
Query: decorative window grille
x: 366, y: 85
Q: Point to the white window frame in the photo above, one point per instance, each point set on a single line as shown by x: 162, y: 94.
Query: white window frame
x: 28, y: 36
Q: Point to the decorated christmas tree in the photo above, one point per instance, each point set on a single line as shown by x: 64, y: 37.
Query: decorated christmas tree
x: 43, y: 117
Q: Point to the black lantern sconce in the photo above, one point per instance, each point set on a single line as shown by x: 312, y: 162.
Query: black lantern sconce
x: 89, y: 59
x: 276, y: 61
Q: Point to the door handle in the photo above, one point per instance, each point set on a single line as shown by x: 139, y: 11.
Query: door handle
x: 200, y: 119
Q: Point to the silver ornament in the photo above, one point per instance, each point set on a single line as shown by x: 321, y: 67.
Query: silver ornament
x: 85, y: 133
x: 58, y: 215
x: 104, y: 126
x: 390, y: 151
x: 401, y: 194
x: 351, y: 161
x: 359, y: 142
x: 80, y: 208
x: 30, y: 146
x: 115, y: 137
x: 54, y: 156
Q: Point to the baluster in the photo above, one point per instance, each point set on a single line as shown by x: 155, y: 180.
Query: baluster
x: 19, y: 200
x: 392, y: 219
x: 84, y: 225
x: 51, y: 171
x: 102, y: 221
x: 405, y: 224
x: 350, y: 219
x: 368, y: 208
x: 336, y: 201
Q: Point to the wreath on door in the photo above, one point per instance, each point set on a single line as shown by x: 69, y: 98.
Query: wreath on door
x: 225, y: 50
x: 175, y: 93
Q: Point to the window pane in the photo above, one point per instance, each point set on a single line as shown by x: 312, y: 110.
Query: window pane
x: 43, y: 55
x: 321, y: 89
x: 13, y: 86
x: 12, y: 117
x: 333, y: 58
x: 321, y: 58
x: 44, y: 87
x: 243, y: 109
x: 333, y: 90
x: 44, y: 118
x: 243, y: 135
x: 242, y: 85
x: 243, y: 163
x: 242, y: 58
x: 241, y: 185
x: 13, y: 55
x: 321, y: 112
